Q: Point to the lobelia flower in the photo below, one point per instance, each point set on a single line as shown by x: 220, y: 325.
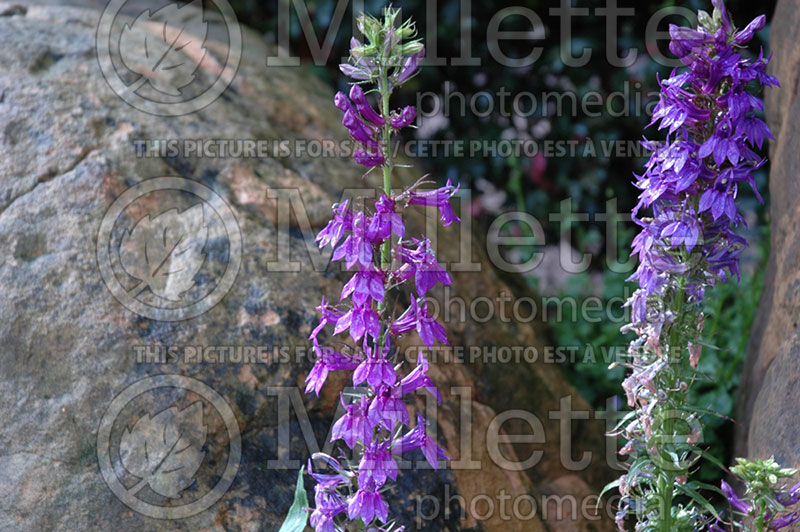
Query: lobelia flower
x: 327, y: 360
x: 367, y: 504
x: 364, y: 108
x: 360, y: 320
x: 363, y: 133
x: 784, y: 521
x: 416, y: 317
x: 327, y: 500
x: 419, y: 439
x: 354, y: 426
x: 357, y: 248
x: 385, y: 221
x: 375, y: 369
x: 368, y: 159
x: 377, y: 465
x: 734, y: 499
x: 341, y: 222
x: 365, y: 286
x: 421, y: 264
x: 764, y: 502
x: 362, y: 124
x: 789, y: 497
x: 405, y: 118
x: 410, y: 67
x: 387, y: 408
x: 329, y: 315
x: 439, y: 198
x: 418, y: 378
x: 373, y: 244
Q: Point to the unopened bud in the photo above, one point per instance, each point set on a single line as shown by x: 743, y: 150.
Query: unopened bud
x: 410, y: 48
x: 705, y: 20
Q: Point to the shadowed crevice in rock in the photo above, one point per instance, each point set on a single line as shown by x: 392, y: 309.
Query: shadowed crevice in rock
x: 767, y: 418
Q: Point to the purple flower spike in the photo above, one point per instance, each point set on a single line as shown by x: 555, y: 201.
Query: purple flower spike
x: 686, y: 244
x: 372, y: 243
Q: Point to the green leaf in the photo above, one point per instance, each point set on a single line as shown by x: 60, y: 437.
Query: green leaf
x: 297, y: 517
x: 689, y: 491
x: 710, y: 457
x: 610, y: 486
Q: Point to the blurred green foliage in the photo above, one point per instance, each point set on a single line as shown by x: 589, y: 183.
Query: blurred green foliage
x: 587, y: 179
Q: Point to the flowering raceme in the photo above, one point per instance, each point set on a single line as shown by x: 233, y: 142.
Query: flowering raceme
x: 373, y: 244
x: 686, y: 244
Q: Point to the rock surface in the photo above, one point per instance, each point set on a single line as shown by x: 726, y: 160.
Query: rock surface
x: 69, y: 347
x: 768, y: 418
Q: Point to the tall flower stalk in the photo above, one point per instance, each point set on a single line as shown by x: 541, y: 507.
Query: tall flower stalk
x: 372, y: 242
x: 686, y: 244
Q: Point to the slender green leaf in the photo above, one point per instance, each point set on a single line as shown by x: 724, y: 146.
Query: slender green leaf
x: 297, y: 517
x: 689, y: 491
x: 609, y: 486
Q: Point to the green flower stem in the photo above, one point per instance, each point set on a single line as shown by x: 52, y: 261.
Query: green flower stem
x: 676, y: 349
x: 386, y: 247
x: 386, y: 91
